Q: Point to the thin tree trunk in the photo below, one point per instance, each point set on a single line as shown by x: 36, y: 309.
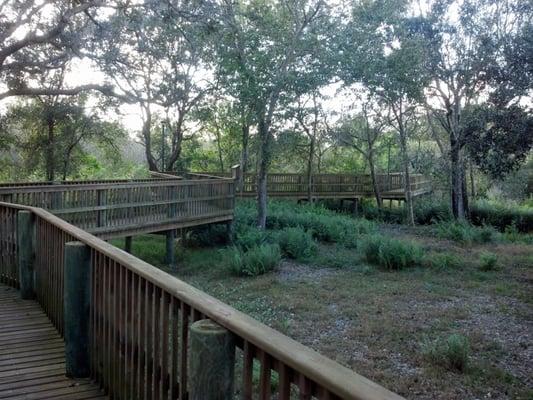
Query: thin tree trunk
x: 375, y: 184
x: 50, y: 153
x: 472, y: 182
x: 244, y: 154
x: 310, y: 170
x: 407, y: 177
x: 456, y: 166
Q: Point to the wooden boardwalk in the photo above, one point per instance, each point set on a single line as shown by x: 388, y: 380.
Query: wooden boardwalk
x: 32, y: 355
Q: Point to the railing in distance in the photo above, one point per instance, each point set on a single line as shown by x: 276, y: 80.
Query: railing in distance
x: 140, y: 318
x: 119, y: 207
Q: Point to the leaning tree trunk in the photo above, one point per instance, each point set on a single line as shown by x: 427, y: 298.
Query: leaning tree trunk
x: 147, y: 136
x: 375, y: 184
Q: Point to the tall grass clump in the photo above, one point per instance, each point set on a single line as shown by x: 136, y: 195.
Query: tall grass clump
x: 296, y: 243
x: 254, y: 261
x: 451, y: 353
x: 390, y: 253
x: 444, y: 261
x: 488, y: 262
x: 462, y: 232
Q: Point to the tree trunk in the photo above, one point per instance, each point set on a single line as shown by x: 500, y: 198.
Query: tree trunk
x: 310, y: 170
x: 50, y: 143
x: 264, y: 160
x: 407, y: 178
x: 147, y: 136
x: 472, y: 182
x: 244, y: 154
x: 375, y: 184
x: 457, y: 197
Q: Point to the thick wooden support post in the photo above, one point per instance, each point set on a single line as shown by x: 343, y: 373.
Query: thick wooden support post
x: 127, y: 244
x: 26, y: 253
x: 77, y: 295
x: 171, y: 248
x: 212, y: 361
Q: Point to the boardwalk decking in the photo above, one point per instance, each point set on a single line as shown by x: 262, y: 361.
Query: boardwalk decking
x: 32, y: 355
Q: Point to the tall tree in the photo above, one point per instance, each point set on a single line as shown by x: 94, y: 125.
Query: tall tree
x: 272, y: 47
x: 477, y: 51
x: 362, y: 132
x: 378, y: 49
x: 151, y: 52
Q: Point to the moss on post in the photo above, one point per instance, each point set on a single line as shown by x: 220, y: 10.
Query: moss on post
x: 212, y: 361
x: 77, y: 272
x: 26, y: 253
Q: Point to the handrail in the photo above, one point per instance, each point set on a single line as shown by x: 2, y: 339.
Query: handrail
x: 116, y: 346
x: 122, y: 208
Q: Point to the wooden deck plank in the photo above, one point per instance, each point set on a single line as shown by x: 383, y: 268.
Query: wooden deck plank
x: 32, y: 355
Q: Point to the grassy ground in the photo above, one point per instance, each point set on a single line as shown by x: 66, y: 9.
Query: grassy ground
x: 379, y: 322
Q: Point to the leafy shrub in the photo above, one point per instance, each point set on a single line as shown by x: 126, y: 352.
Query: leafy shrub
x: 512, y: 235
x: 247, y: 237
x: 463, y: 232
x: 444, y: 261
x: 430, y: 212
x: 451, y: 353
x: 391, y: 253
x: 208, y: 235
x: 488, y: 261
x: 502, y: 216
x: 254, y: 261
x: 296, y: 243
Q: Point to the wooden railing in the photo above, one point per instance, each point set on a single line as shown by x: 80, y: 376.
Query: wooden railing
x: 331, y: 185
x: 139, y: 324
x: 117, y: 208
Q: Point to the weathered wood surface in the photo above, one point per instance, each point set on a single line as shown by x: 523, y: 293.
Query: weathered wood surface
x: 140, y: 318
x: 32, y: 355
x: 125, y: 208
x: 327, y: 186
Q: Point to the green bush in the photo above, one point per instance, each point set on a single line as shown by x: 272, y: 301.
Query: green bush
x: 430, y: 212
x: 296, y: 243
x: 247, y: 237
x: 451, y: 353
x: 208, y: 235
x: 392, y: 254
x: 463, y: 232
x: 254, y: 261
x: 502, y: 216
x: 444, y: 261
x: 488, y: 261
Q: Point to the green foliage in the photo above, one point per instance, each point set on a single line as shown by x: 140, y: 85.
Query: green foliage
x: 208, y: 235
x: 465, y: 233
x: 248, y: 237
x: 502, y: 216
x: 324, y: 225
x: 444, y: 261
x: 451, y: 353
x: 254, y: 261
x: 488, y: 262
x: 296, y: 243
x: 392, y: 254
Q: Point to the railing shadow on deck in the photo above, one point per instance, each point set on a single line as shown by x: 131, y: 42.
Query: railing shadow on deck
x: 140, y: 318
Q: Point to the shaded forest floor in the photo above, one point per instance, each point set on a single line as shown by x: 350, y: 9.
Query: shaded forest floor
x: 376, y: 322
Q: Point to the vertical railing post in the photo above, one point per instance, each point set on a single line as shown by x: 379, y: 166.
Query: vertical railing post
x: 212, y: 362
x: 26, y: 253
x: 77, y: 298
x: 101, y: 201
x: 170, y: 257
